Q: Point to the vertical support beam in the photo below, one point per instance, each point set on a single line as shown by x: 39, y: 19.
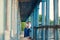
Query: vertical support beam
x: 43, y: 12
x: 47, y: 12
x: 13, y: 28
x: 2, y: 18
x: 47, y: 17
x: 18, y: 25
x: 5, y: 18
x: 34, y: 20
x: 32, y: 24
x: 11, y: 22
x: 8, y: 13
x: 36, y: 15
x: 15, y: 21
x: 56, y: 12
x: 56, y: 17
x: 43, y: 19
x: 18, y: 21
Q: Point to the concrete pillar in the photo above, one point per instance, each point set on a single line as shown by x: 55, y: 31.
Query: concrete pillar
x: 12, y: 20
x: 2, y: 24
x: 18, y: 26
x: 15, y: 20
x: 8, y: 18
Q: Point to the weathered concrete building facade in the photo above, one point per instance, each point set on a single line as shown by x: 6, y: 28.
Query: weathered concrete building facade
x: 9, y: 14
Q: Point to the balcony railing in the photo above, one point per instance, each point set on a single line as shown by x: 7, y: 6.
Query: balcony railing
x: 46, y: 32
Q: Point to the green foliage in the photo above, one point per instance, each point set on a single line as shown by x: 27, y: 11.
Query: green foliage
x: 51, y: 22
x: 59, y: 20
x: 40, y: 18
x: 23, y: 25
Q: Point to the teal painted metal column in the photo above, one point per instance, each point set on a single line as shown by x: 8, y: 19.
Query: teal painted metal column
x: 56, y: 17
x: 36, y: 15
x: 56, y: 12
x: 43, y: 12
x: 47, y: 12
x: 32, y: 24
x: 34, y: 20
x: 47, y: 18
x: 43, y: 19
